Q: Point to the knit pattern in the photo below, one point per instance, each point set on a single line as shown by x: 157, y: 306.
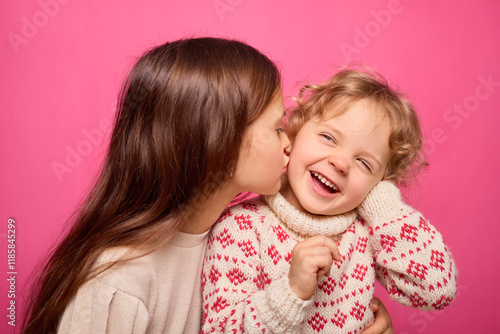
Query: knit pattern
x: 245, y: 274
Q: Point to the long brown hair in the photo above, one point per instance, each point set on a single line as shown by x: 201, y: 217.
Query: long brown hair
x: 178, y: 131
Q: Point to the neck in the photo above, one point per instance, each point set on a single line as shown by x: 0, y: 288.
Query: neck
x: 203, y: 216
x: 287, y: 192
x: 307, y: 224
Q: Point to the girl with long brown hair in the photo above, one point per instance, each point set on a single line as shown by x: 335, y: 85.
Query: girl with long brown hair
x: 193, y: 116
x: 198, y: 122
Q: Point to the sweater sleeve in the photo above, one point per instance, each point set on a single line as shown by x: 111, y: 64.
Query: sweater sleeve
x: 99, y: 308
x: 238, y: 295
x: 412, y: 260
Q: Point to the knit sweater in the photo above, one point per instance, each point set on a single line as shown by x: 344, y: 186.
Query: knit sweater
x: 156, y: 293
x: 245, y: 274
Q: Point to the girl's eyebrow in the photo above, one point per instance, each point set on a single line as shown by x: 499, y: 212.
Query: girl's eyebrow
x: 334, y: 129
x: 280, y: 120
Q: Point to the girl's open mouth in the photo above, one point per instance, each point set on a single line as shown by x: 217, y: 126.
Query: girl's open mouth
x: 323, y: 183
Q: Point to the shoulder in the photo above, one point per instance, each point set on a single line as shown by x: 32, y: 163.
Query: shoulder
x: 99, y: 306
x: 244, y: 215
x: 136, y: 277
x: 241, y: 223
x: 251, y: 206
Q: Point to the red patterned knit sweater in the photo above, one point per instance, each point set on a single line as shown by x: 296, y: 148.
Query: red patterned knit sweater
x: 245, y: 274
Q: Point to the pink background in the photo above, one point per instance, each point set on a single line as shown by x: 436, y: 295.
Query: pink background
x: 63, y: 61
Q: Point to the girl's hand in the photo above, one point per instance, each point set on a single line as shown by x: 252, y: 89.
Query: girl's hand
x: 383, y: 203
x: 311, y: 259
x: 383, y: 323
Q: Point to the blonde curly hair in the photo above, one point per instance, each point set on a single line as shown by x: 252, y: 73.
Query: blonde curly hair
x: 334, y: 96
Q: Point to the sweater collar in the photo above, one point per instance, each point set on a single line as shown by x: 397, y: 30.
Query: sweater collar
x: 308, y: 224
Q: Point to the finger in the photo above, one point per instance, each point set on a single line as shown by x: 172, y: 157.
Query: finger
x: 383, y: 322
x: 375, y: 303
x: 314, y: 260
x: 321, y: 259
x: 335, y: 253
x: 325, y: 271
x: 376, y: 328
x: 334, y: 250
x: 323, y: 241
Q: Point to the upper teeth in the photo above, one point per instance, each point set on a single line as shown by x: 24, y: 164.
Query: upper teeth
x: 324, y: 180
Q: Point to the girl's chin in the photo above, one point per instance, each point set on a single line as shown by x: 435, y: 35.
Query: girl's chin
x: 316, y: 209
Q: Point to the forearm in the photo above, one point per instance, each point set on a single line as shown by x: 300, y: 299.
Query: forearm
x: 412, y: 259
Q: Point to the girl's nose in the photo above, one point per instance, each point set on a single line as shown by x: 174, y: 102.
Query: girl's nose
x: 285, y: 142
x: 340, y: 163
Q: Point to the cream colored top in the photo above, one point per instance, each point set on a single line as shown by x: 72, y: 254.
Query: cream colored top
x: 156, y: 293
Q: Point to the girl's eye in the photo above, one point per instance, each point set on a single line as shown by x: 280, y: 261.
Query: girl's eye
x: 328, y: 137
x: 280, y: 130
x: 366, y: 164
